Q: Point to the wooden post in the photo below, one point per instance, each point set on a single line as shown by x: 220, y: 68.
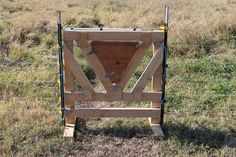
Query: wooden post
x: 69, y: 86
x: 156, y: 87
x: 156, y: 84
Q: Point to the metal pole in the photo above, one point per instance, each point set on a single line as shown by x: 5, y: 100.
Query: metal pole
x: 164, y: 63
x: 61, y: 70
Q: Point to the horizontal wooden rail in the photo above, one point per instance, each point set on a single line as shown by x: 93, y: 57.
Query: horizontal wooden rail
x: 114, y: 36
x: 113, y: 112
x: 124, y: 96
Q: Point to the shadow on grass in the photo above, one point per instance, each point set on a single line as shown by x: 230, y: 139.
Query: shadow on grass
x: 118, y: 128
x: 185, y: 134
x: 200, y: 135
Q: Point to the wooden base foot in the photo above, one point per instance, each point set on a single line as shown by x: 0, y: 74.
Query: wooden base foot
x: 156, y: 128
x: 69, y: 131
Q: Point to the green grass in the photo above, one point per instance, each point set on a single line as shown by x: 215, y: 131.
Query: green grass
x: 199, y: 119
x: 201, y: 86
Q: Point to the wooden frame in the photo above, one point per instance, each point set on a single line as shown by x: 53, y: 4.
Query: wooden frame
x: 113, y: 88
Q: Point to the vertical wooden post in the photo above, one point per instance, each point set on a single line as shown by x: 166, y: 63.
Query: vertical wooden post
x: 156, y: 84
x: 69, y: 84
x: 69, y: 78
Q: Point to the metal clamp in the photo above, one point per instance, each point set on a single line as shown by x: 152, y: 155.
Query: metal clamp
x: 163, y: 27
x: 107, y: 75
x: 93, y: 50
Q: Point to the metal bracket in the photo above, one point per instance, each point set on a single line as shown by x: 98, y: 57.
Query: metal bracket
x: 139, y: 44
x: 92, y: 51
x: 107, y: 75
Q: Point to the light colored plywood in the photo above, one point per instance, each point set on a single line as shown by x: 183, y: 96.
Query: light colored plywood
x: 113, y: 112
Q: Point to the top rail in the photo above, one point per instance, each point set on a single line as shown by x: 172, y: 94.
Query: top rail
x: 112, y: 30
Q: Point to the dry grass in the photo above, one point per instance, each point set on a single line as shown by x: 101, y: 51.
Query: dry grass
x: 200, y: 112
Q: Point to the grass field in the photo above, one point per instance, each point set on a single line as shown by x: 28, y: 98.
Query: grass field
x: 200, y: 117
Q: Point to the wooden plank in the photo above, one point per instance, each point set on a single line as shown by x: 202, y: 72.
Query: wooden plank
x: 156, y: 83
x: 133, y: 64
x: 113, y: 112
x: 156, y: 79
x: 149, y: 71
x: 69, y: 78
x: 142, y: 30
x: 112, y: 35
x: 69, y: 131
x: 78, y: 73
x: 125, y: 96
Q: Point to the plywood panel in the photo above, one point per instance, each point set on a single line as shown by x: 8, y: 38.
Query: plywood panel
x: 114, y: 56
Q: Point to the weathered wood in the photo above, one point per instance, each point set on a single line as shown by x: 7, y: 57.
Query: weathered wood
x: 125, y: 96
x: 113, y: 112
x: 149, y: 71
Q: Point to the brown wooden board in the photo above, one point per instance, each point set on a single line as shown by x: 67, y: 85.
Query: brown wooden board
x: 114, y: 56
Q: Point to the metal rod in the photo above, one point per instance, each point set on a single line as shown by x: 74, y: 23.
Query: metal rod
x: 61, y: 70
x: 166, y: 16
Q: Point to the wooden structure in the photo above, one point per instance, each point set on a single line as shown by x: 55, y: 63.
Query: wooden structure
x: 113, y: 54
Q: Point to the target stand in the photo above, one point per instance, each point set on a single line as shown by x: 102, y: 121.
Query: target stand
x: 113, y: 55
